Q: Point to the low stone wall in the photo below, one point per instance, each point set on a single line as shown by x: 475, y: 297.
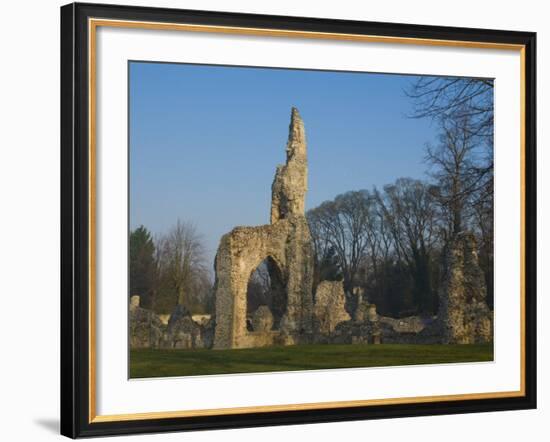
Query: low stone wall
x: 147, y: 330
x: 354, y: 332
x: 411, y: 324
x: 465, y: 315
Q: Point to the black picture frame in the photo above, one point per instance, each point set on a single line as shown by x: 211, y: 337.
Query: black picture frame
x: 75, y: 221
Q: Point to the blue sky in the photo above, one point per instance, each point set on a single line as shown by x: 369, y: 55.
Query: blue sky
x: 205, y: 140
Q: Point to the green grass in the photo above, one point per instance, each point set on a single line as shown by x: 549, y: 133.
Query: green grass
x: 161, y: 363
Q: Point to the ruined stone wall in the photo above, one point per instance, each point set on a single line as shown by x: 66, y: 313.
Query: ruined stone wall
x: 287, y: 241
x: 329, y: 306
x: 146, y: 330
x: 289, y: 187
x: 463, y: 311
x: 238, y: 255
x: 183, y: 332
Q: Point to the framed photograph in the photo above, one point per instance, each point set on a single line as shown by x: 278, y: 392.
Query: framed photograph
x: 274, y: 220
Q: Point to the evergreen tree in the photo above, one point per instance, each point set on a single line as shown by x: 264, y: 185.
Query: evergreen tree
x: 142, y: 266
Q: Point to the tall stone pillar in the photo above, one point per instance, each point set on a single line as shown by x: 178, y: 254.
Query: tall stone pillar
x: 463, y: 312
x: 286, y: 241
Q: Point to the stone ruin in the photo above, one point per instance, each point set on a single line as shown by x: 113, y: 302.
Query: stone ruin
x: 286, y: 244
x: 148, y: 331
x: 329, y: 306
x: 182, y: 331
x: 360, y: 328
x: 296, y: 316
x: 464, y: 315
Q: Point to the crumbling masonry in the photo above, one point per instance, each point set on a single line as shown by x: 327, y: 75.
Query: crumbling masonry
x: 285, y: 244
x: 464, y: 315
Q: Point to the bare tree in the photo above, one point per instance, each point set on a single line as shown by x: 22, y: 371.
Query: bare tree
x: 181, y: 257
x: 455, y: 98
x: 462, y: 172
x: 410, y: 216
x: 344, y: 226
x: 463, y: 161
x: 464, y: 109
x: 483, y: 226
x: 323, y: 251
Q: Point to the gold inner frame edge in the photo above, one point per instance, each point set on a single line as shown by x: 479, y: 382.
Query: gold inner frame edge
x: 93, y: 24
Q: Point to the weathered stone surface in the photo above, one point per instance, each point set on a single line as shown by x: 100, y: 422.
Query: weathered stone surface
x: 364, y: 310
x: 208, y: 328
x: 463, y: 311
x: 329, y: 306
x: 288, y: 191
x: 353, y: 332
x: 183, y: 332
x: 262, y: 319
x: 287, y: 244
x: 146, y: 329
x: 372, y: 316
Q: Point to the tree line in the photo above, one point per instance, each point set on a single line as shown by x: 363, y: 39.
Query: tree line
x: 388, y: 243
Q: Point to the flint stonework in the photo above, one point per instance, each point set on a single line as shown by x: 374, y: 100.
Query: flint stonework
x: 287, y: 244
x: 464, y: 314
x: 329, y: 307
x: 146, y: 329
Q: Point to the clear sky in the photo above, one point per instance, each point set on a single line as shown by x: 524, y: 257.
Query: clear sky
x: 205, y: 140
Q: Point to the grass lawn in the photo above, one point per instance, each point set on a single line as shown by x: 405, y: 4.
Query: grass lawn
x: 159, y: 363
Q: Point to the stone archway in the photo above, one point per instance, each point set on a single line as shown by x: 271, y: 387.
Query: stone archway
x: 287, y: 241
